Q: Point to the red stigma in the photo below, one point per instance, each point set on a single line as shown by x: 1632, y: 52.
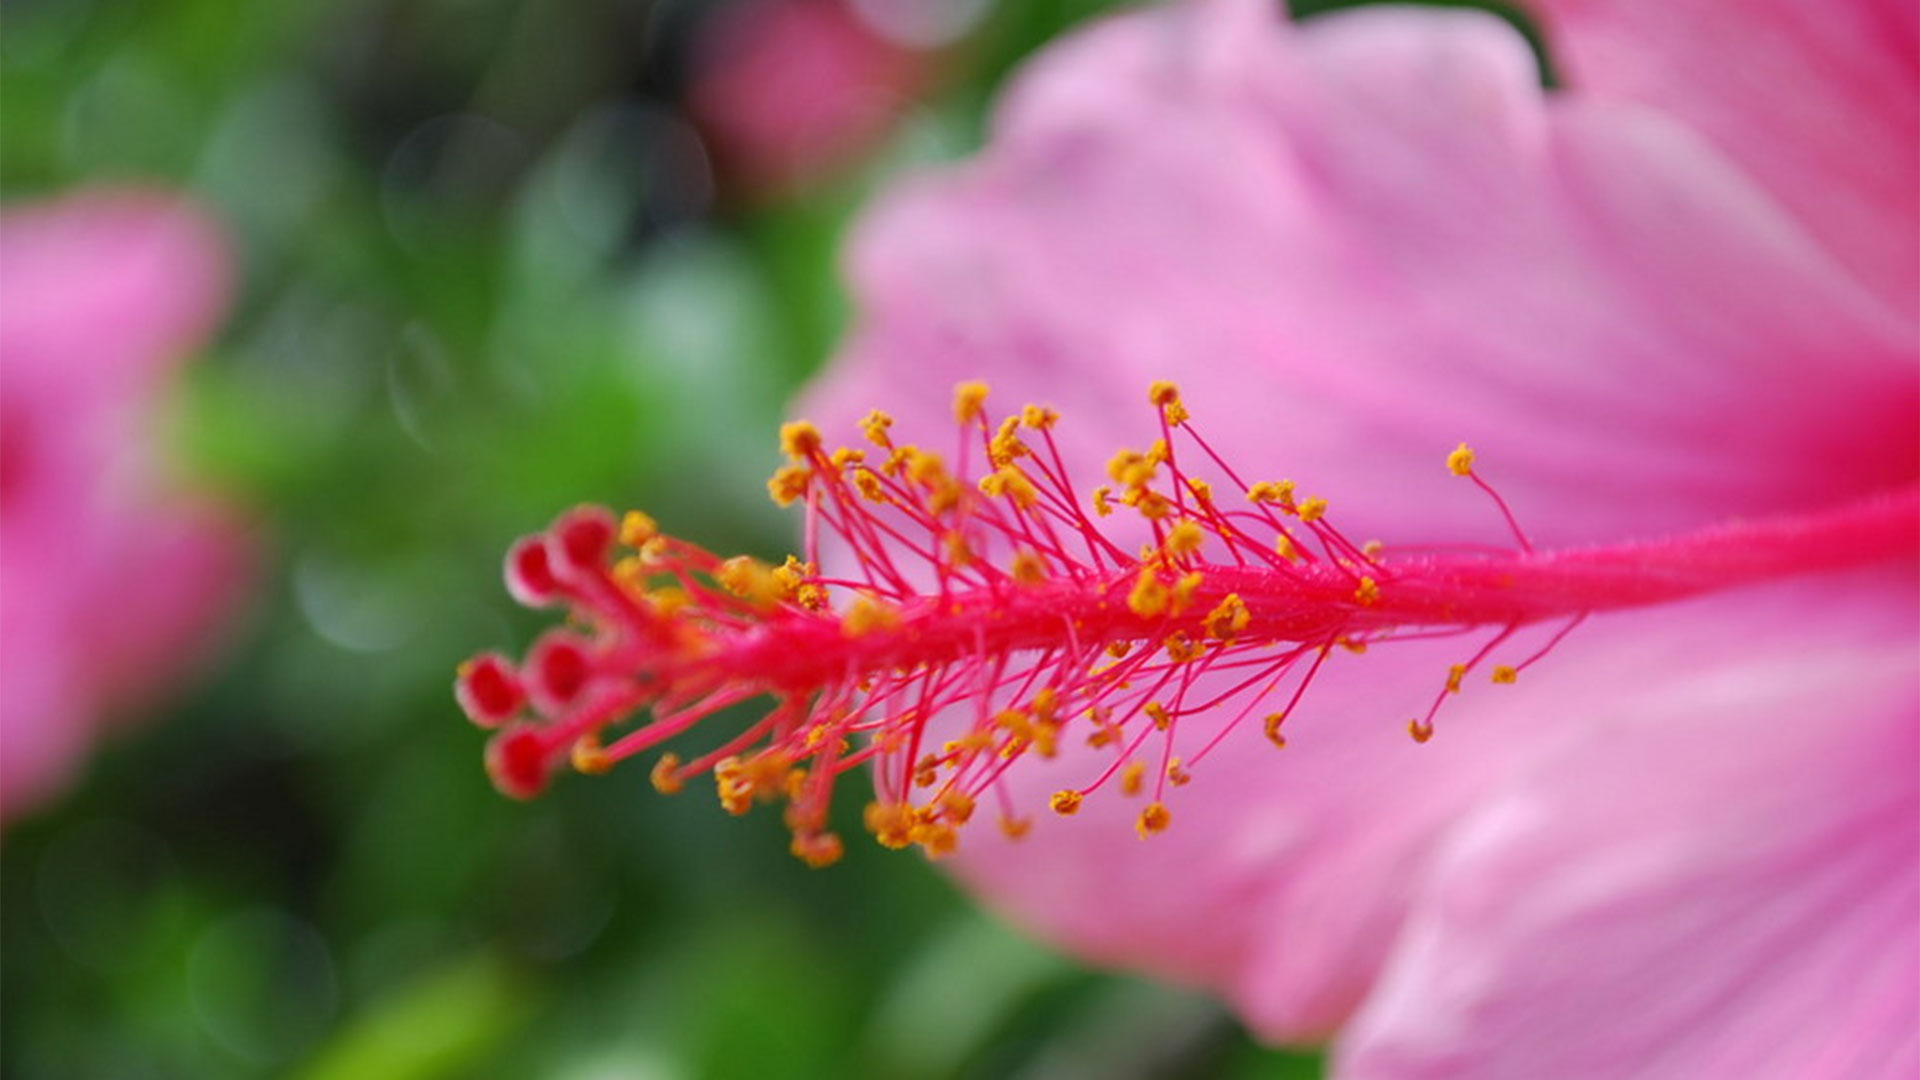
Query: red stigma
x: 530, y: 578
x: 558, y: 668
x: 489, y: 690
x: 578, y: 543
x: 519, y: 760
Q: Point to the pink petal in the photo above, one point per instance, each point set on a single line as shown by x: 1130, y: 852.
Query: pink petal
x: 1355, y: 244
x: 109, y: 582
x: 790, y: 90
x: 1819, y: 102
x: 1720, y: 879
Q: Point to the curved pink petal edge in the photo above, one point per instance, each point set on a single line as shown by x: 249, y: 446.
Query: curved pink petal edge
x: 1814, y: 100
x: 110, y: 580
x: 1354, y: 243
x: 1718, y: 878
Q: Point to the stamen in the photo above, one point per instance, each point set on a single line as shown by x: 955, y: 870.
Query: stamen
x: 993, y: 605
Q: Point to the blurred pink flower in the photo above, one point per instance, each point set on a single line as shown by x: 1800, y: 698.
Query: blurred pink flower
x: 110, y: 580
x: 1682, y: 291
x: 790, y: 90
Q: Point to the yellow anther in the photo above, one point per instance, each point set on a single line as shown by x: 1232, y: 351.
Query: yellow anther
x: 1184, y: 540
x: 1182, y: 649
x: 588, y: 757
x: 789, y: 484
x: 1176, y: 775
x: 1278, y: 492
x: 1274, y: 720
x: 1039, y: 417
x: 1352, y: 645
x: 1154, y: 819
x: 1015, y: 828
x: 959, y: 552
x: 924, y: 467
x: 1228, y: 618
x: 817, y: 850
x: 1454, y: 675
x: 867, y: 614
x: 1504, y: 674
x: 946, y: 494
x: 1159, y: 453
x: 1119, y: 649
x: 845, y: 456
x: 1163, y: 393
x: 1313, y: 508
x: 666, y: 775
x: 637, y: 528
x: 1065, y: 803
x: 1046, y: 704
x: 1162, y: 719
x: 958, y: 806
x: 1029, y: 567
x: 969, y: 400
x: 1372, y: 548
x: 1006, y: 445
x: 875, y: 426
x: 1103, y: 500
x: 751, y: 579
x: 1149, y: 597
x: 1152, y: 505
x: 1460, y: 462
x: 1011, y: 481
x: 1283, y: 547
x: 870, y: 486
x: 937, y: 838
x: 1367, y: 593
x: 667, y: 600
x: 1132, y: 777
x: 1202, y: 491
x: 1131, y: 468
x: 800, y: 440
x: 1420, y: 731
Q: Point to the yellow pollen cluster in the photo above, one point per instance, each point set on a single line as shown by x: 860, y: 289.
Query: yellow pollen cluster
x: 1028, y: 567
x: 1184, y: 540
x: 1039, y: 417
x: 1460, y: 461
x: 1010, y: 481
x: 875, y: 426
x: 800, y: 440
x: 1277, y: 492
x: 1153, y: 820
x: 1149, y: 597
x: 1312, y: 508
x: 1274, y: 720
x: 1228, y: 618
x: 1065, y: 803
x: 1505, y: 675
x: 637, y: 528
x: 789, y: 484
x: 1167, y: 396
x: 750, y: 579
x: 969, y: 401
x: 868, y: 614
x: 1367, y: 593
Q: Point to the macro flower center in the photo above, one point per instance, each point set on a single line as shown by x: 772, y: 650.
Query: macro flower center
x: 993, y: 617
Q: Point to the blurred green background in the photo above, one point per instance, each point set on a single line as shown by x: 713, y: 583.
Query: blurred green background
x: 489, y: 268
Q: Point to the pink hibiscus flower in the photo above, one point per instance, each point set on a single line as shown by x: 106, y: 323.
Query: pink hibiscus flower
x: 110, y: 580
x: 790, y: 90
x: 1686, y: 290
